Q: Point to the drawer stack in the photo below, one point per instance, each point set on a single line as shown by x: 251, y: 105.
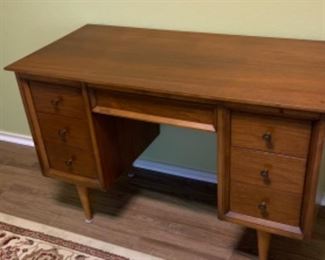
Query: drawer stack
x: 64, y: 127
x: 267, y: 167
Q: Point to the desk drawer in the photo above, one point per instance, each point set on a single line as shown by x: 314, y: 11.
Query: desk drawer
x: 265, y: 203
x: 56, y: 99
x: 264, y: 169
x: 155, y: 109
x: 278, y: 135
x: 71, y: 160
x: 65, y: 130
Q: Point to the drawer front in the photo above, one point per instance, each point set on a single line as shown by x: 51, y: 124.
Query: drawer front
x: 264, y: 169
x: 71, y: 160
x: 55, y: 99
x: 65, y: 130
x: 265, y: 203
x: 278, y: 135
x: 154, y: 109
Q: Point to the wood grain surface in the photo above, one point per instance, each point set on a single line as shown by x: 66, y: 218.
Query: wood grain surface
x: 271, y: 72
x: 153, y: 109
x: 282, y: 207
x: 288, y: 136
x: 82, y: 161
x: 64, y: 130
x: 69, y: 100
x: 284, y: 173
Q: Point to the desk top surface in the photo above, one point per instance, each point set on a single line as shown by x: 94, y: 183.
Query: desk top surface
x: 248, y: 70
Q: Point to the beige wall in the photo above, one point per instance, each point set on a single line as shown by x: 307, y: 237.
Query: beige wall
x: 29, y: 25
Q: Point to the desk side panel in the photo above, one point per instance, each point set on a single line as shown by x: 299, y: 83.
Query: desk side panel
x: 223, y: 158
x: 120, y: 141
x: 314, y: 175
x: 30, y: 111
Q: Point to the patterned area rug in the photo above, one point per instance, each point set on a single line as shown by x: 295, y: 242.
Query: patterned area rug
x: 41, y: 242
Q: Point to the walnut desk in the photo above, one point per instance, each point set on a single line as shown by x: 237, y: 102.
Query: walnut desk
x: 96, y: 97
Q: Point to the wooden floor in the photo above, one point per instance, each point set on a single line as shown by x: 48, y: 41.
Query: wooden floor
x: 165, y: 216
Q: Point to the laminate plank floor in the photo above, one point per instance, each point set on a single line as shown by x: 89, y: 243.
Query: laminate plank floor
x: 166, y: 216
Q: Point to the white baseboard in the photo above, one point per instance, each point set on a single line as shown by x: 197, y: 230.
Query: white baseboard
x: 16, y: 138
x: 322, y: 202
x: 176, y: 170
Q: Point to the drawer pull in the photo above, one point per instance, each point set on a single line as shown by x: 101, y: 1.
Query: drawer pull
x: 267, y: 137
x: 55, y: 102
x: 69, y: 162
x: 263, y: 208
x: 265, y: 176
x: 62, y: 133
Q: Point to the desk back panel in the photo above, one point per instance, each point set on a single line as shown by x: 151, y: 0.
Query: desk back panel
x: 120, y: 142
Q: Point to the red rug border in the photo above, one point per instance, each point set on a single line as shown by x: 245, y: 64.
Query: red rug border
x: 60, y: 242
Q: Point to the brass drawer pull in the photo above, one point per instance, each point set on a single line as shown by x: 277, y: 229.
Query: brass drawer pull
x: 263, y: 208
x: 55, y: 102
x: 62, y: 133
x: 265, y: 176
x: 267, y: 137
x: 69, y: 162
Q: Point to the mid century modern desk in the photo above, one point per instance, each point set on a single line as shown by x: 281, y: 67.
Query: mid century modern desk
x: 96, y: 97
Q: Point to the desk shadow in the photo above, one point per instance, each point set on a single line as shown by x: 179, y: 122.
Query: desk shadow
x: 196, y: 196
x: 157, y: 186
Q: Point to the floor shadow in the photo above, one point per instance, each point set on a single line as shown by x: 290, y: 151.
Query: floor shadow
x: 159, y: 186
x: 111, y: 202
x: 247, y: 243
x: 283, y: 248
x: 185, y: 192
x: 177, y: 187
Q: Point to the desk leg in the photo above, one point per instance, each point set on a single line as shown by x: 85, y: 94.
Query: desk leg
x: 84, y: 198
x: 264, y: 239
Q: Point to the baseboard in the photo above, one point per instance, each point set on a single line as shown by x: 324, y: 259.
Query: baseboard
x: 322, y: 202
x: 16, y: 138
x: 176, y: 170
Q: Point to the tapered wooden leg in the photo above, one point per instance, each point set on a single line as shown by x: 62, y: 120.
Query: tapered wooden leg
x: 264, y: 239
x: 84, y: 198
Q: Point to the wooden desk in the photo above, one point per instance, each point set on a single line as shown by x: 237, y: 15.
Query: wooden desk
x: 95, y: 99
